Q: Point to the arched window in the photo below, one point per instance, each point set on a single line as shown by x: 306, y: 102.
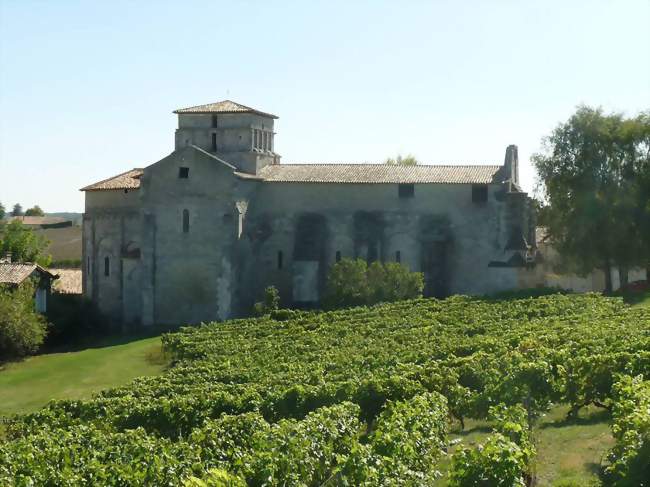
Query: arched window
x: 107, y: 266
x: 186, y: 221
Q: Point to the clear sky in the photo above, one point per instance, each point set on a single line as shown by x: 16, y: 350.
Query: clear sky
x: 87, y: 88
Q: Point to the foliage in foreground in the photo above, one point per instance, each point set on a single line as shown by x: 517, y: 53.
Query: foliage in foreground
x: 22, y: 329
x: 503, y: 459
x: 351, y: 397
x: 630, y: 457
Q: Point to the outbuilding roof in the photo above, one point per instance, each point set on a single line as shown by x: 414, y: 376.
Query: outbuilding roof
x: 380, y: 173
x: 127, y: 180
x: 69, y: 281
x: 39, y: 220
x: 225, y: 106
x: 16, y: 272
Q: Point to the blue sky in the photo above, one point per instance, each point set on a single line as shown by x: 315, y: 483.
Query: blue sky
x: 87, y: 88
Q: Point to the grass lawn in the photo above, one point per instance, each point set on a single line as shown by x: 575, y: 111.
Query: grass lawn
x: 28, y: 385
x: 567, y: 451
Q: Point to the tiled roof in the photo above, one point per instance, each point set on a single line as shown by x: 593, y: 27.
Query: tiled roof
x: 340, y: 173
x: 126, y: 180
x: 69, y: 281
x: 39, y: 220
x: 16, y: 273
x: 225, y: 106
x: 380, y: 173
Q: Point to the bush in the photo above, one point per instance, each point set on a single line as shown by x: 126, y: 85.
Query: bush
x: 497, y: 462
x: 630, y: 457
x: 504, y: 459
x: 270, y: 303
x: 22, y: 329
x: 354, y: 283
x: 73, y: 319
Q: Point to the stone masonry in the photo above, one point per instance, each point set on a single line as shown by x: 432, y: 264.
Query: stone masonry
x: 198, y: 235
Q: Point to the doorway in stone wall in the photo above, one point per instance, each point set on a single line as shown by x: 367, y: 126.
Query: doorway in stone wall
x: 434, y: 267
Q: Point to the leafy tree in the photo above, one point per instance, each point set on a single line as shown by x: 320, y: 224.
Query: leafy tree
x: 594, y: 175
x: 18, y: 210
x: 2, y: 211
x: 24, y: 244
x: 22, y: 329
x: 354, y: 283
x: 400, y: 160
x: 35, y: 211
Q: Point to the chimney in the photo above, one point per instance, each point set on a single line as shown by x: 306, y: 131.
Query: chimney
x: 511, y: 164
x: 6, y: 258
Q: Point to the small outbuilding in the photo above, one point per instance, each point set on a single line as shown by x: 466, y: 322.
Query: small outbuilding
x: 15, y: 274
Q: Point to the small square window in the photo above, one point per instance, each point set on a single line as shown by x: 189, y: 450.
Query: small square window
x: 183, y: 172
x: 406, y: 190
x: 479, y: 193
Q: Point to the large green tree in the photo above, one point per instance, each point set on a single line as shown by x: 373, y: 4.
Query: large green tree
x: 408, y: 160
x: 2, y: 211
x: 23, y: 243
x: 18, y: 210
x: 35, y: 211
x: 593, y: 172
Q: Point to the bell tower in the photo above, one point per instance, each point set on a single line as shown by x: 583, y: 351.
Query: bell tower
x: 235, y: 133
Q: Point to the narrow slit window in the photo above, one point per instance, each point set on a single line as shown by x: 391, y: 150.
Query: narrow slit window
x: 186, y: 221
x: 88, y: 265
x: 406, y: 190
x: 398, y: 257
x: 338, y: 256
x: 183, y: 172
x: 215, y: 121
x: 214, y: 142
x: 280, y: 259
x: 479, y: 193
x: 107, y: 266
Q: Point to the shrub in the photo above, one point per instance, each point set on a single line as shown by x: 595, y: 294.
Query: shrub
x: 22, y: 329
x: 630, y: 457
x: 504, y: 459
x: 497, y: 462
x: 354, y: 283
x: 73, y: 319
x: 271, y: 301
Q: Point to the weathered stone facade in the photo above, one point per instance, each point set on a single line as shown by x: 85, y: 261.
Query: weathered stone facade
x: 199, y: 234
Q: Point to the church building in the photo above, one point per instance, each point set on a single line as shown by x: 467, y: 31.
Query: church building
x: 198, y: 235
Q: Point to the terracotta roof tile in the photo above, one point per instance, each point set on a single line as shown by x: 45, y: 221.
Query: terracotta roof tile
x: 69, y: 281
x: 16, y: 272
x: 127, y: 180
x: 225, y: 106
x: 39, y: 220
x: 381, y: 173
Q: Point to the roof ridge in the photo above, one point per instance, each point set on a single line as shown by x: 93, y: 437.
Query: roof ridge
x: 381, y: 164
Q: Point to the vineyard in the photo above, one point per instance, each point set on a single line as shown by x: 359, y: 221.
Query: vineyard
x: 363, y: 396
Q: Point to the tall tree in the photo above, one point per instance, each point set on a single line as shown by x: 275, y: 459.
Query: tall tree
x: 2, y: 211
x: 18, y: 210
x: 593, y: 173
x: 400, y: 160
x: 24, y: 244
x: 35, y: 211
